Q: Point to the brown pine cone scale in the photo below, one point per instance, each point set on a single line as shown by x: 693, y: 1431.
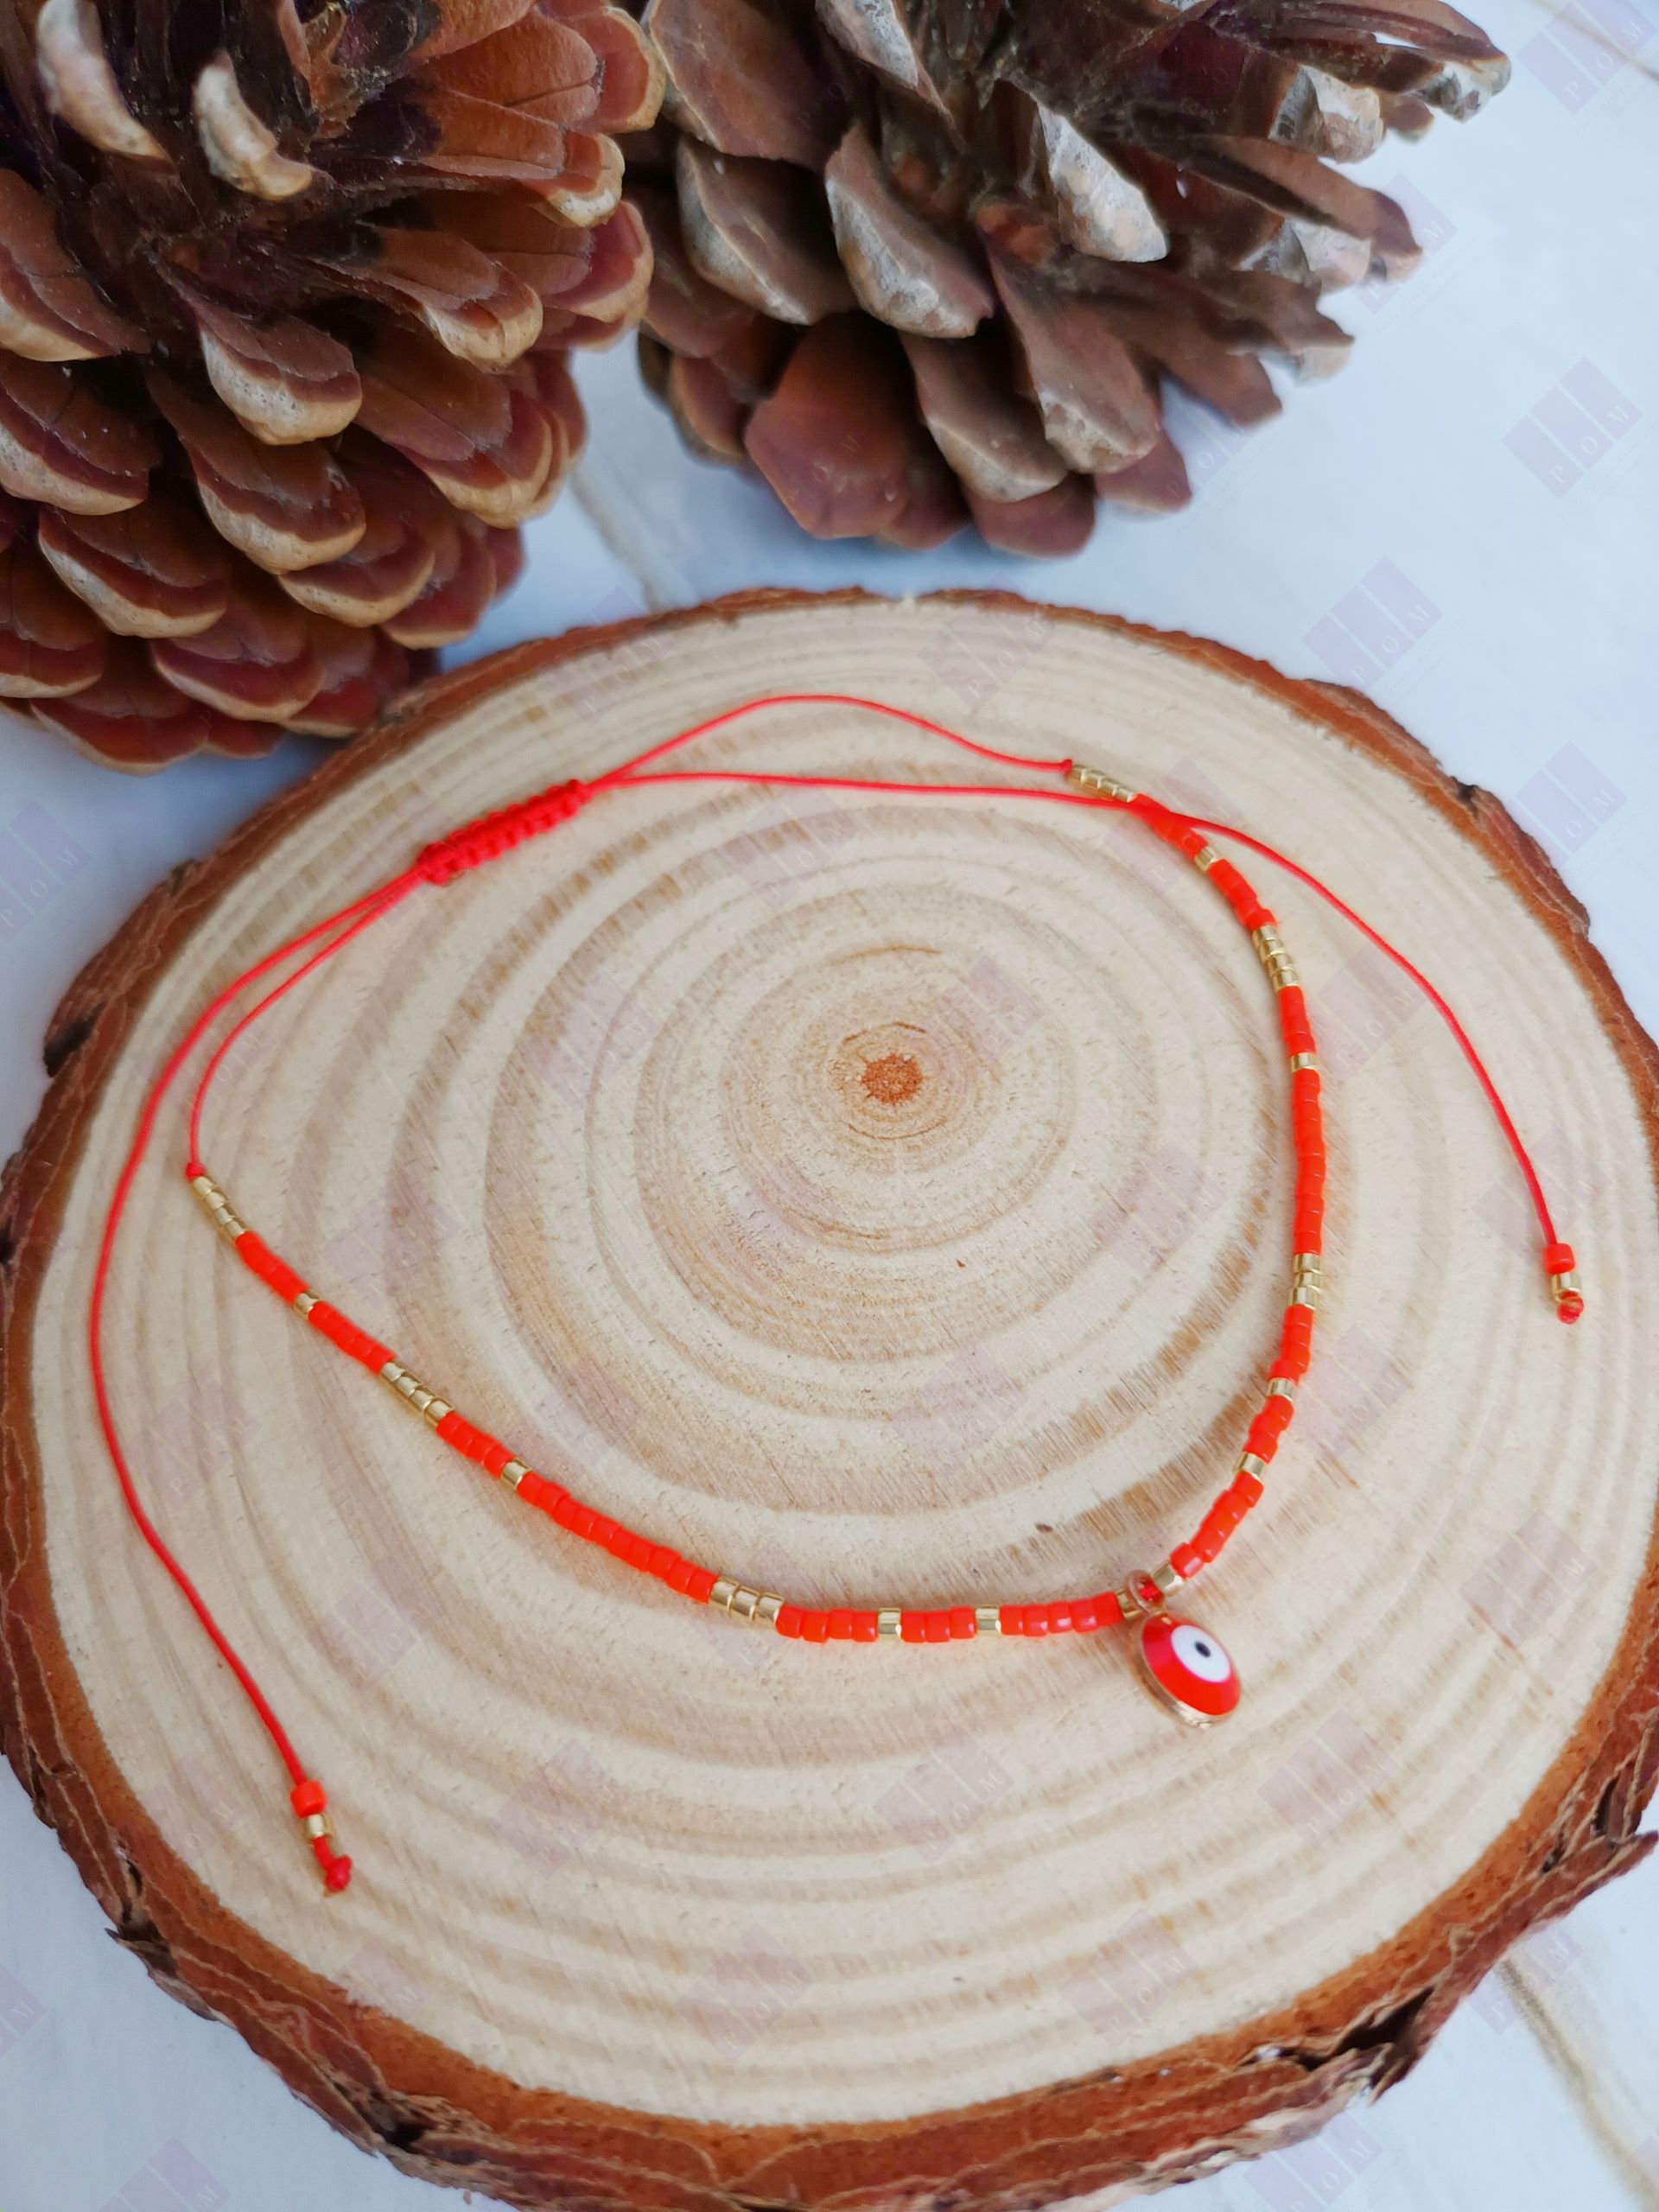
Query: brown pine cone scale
x: 286, y: 289
x: 898, y: 237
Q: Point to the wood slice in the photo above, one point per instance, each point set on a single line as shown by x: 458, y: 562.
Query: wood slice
x: 886, y: 1200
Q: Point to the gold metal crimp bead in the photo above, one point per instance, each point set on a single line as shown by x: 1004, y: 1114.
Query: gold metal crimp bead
x: 1271, y: 950
x: 1098, y: 782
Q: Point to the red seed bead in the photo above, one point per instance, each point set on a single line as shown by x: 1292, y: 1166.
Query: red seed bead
x: 1280, y: 1412
x: 307, y: 1799
x: 1011, y: 1619
x: 1186, y: 1559
x: 355, y: 1343
x: 536, y: 1489
x: 788, y: 1622
x: 701, y: 1584
x: 1059, y: 1618
x: 814, y: 1627
x: 962, y: 1624
x: 841, y: 1624
x: 1084, y: 1617
x: 1262, y: 1442
x: 257, y: 1255
x: 1246, y: 1489
x: 663, y: 1558
x: 935, y: 1628
x: 461, y: 1436
x: 866, y: 1627
x: 680, y: 1576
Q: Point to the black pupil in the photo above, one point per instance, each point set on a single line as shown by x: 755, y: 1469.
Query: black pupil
x: 1203, y: 1651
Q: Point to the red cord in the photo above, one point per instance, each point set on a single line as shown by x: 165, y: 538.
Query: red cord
x: 1501, y: 1112
x: 479, y: 842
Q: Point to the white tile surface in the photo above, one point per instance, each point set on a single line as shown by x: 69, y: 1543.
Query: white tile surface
x: 1392, y: 527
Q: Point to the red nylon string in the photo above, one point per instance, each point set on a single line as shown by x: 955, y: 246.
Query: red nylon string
x: 826, y: 699
x: 475, y: 845
x: 367, y: 909
x: 1494, y: 1098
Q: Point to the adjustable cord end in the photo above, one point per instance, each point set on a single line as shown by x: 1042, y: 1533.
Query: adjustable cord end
x: 488, y: 838
x: 310, y: 1804
x: 1564, y: 1285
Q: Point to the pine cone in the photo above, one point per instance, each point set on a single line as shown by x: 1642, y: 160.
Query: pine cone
x: 920, y: 261
x: 286, y: 288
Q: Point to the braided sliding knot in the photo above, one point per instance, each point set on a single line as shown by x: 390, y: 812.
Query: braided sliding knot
x: 493, y: 834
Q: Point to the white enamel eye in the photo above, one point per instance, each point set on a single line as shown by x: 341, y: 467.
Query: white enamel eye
x: 1199, y: 1653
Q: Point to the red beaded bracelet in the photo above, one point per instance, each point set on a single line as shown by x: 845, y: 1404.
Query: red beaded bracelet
x: 1183, y: 1663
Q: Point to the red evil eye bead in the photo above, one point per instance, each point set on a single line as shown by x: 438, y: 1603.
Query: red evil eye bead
x: 1190, y: 1668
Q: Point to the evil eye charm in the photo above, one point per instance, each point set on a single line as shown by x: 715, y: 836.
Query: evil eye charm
x: 1190, y: 1668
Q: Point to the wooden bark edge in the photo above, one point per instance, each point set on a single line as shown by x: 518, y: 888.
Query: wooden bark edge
x: 444, y: 2118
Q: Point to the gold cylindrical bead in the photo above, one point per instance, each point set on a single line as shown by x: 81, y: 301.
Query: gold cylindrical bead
x: 1281, y: 1386
x: 1096, y: 782
x: 746, y: 1603
x: 886, y: 1623
x: 766, y: 1612
x: 987, y: 1620
x: 307, y: 1302
x: 1167, y: 1578
x: 1299, y: 1062
x: 1249, y: 1464
x: 392, y: 1373
x: 1204, y: 859
x: 438, y: 1410
x: 721, y: 1595
x: 513, y: 1474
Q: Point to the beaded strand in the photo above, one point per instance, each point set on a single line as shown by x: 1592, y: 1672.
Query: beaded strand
x: 905, y: 1624
x: 1143, y: 1594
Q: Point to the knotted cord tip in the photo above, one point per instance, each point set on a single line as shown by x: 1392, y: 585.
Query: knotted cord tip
x: 336, y: 1869
x: 310, y: 1803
